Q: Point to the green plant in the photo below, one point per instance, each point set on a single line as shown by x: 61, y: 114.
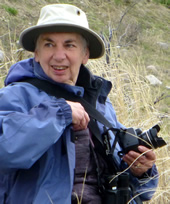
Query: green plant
x: 165, y: 2
x: 117, y: 2
x: 10, y: 10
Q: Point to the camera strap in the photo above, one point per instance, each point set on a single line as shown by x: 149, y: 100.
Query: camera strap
x: 60, y: 92
x: 95, y: 116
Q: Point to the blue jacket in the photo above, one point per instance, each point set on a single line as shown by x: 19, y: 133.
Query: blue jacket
x: 37, y: 153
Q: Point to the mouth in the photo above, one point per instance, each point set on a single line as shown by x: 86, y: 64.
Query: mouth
x: 59, y: 67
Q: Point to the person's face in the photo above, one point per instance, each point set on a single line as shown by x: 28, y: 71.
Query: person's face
x: 61, y: 55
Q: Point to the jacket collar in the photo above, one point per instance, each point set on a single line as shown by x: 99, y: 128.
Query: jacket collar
x: 96, y: 88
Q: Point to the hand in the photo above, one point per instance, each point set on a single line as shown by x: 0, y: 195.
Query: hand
x: 140, y: 163
x: 79, y: 115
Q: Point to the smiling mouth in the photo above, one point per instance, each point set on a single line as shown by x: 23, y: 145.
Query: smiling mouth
x: 59, y: 67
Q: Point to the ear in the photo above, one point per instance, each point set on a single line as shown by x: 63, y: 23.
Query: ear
x: 86, y: 56
x: 36, y: 56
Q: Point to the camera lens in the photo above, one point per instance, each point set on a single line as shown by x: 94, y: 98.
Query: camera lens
x: 151, y: 138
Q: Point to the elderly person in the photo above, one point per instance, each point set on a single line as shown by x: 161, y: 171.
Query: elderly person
x: 47, y: 149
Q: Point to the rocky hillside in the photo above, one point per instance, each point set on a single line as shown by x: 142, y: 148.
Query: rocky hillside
x: 138, y: 28
x: 136, y: 35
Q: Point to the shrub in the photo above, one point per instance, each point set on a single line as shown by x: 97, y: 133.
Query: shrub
x: 10, y: 10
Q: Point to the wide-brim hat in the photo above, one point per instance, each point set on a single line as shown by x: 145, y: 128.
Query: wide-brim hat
x: 62, y: 18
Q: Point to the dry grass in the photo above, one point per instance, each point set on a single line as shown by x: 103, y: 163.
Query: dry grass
x: 132, y: 97
x: 134, y: 103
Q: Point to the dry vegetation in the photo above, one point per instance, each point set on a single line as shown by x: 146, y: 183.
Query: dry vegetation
x: 134, y: 29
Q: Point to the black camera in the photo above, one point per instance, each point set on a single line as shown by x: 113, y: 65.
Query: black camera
x: 117, y: 187
x: 130, y: 139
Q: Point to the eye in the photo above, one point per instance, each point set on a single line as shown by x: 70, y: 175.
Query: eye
x: 70, y: 45
x: 48, y: 44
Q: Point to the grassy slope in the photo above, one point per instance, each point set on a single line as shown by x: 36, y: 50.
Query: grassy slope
x: 144, y: 25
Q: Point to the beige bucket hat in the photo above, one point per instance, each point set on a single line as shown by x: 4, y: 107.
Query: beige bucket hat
x: 62, y: 18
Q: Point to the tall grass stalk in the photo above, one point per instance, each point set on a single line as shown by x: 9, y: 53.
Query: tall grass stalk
x: 133, y: 100
x: 10, y: 55
x: 130, y: 95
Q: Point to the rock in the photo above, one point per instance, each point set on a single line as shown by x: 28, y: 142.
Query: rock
x: 163, y: 45
x: 2, y: 56
x: 153, y: 80
x: 152, y: 68
x: 168, y: 87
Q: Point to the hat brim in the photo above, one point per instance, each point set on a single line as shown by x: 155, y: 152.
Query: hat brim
x: 29, y: 36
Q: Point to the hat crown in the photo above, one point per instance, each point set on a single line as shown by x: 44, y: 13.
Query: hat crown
x: 62, y: 13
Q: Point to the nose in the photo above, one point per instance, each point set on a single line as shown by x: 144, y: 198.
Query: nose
x: 59, y: 54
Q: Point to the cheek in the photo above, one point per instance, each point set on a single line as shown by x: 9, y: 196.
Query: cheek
x: 44, y: 61
x: 42, y: 55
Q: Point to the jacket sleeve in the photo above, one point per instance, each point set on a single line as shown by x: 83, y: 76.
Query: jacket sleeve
x: 26, y: 133
x: 146, y: 186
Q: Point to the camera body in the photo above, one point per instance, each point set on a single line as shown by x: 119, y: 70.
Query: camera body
x: 130, y: 139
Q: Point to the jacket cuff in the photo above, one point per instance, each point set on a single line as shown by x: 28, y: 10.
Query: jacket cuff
x: 66, y: 109
x: 147, y: 184
x: 152, y: 172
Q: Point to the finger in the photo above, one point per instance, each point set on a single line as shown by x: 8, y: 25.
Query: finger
x: 138, y: 164
x: 138, y: 170
x: 81, y: 122
x: 132, y: 156
x: 136, y: 167
x: 129, y: 160
x: 87, y: 118
x: 149, y: 153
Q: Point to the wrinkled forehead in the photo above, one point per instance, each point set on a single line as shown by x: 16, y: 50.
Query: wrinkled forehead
x: 66, y: 36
